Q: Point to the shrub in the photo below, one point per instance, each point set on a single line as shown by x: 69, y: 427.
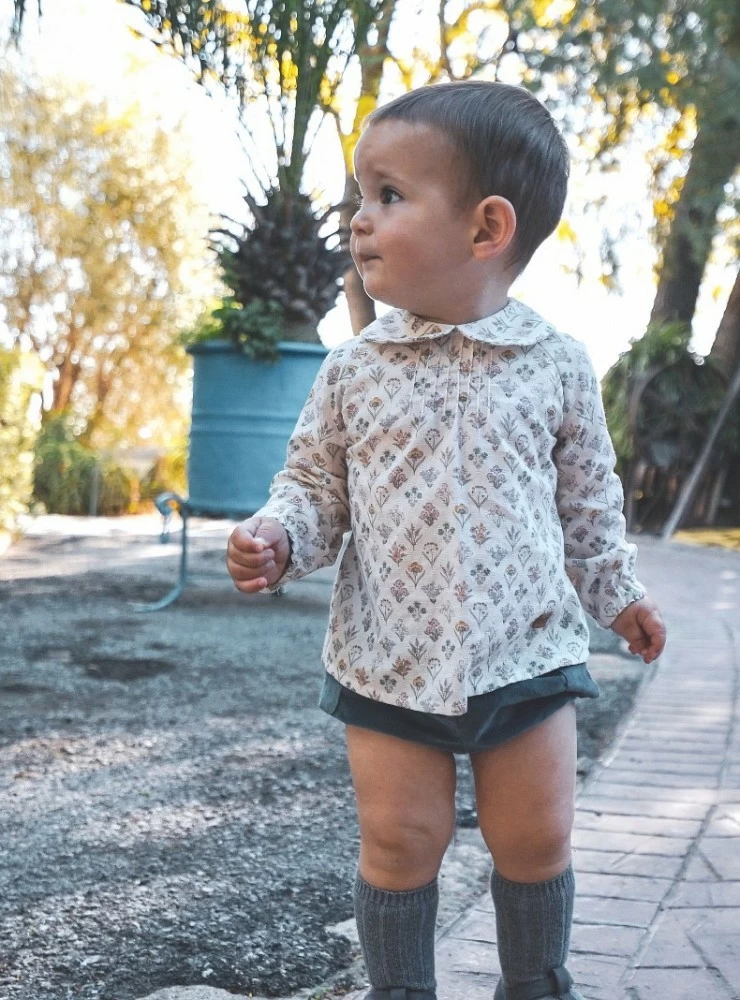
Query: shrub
x: 254, y: 329
x: 66, y: 473
x: 21, y: 379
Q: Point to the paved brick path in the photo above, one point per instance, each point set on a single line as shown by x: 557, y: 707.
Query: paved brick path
x: 657, y: 838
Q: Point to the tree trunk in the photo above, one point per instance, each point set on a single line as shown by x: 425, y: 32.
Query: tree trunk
x: 68, y: 374
x: 714, y: 158
x: 372, y: 60
x: 726, y: 347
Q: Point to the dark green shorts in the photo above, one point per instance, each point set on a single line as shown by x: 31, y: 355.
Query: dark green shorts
x: 491, y: 718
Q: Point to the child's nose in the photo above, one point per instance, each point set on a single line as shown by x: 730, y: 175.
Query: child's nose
x: 360, y: 222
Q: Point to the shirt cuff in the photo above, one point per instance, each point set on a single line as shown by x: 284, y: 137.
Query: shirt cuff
x: 614, y: 606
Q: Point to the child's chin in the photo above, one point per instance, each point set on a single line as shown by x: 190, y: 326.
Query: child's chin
x: 374, y: 289
x: 377, y: 293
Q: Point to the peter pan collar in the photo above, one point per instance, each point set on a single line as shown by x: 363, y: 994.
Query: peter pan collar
x: 515, y: 325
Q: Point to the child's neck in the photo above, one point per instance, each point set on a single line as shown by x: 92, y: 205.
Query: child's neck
x: 468, y: 309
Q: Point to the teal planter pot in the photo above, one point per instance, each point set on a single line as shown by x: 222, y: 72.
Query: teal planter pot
x: 244, y: 412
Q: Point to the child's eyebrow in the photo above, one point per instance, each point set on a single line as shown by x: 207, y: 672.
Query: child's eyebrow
x: 378, y: 175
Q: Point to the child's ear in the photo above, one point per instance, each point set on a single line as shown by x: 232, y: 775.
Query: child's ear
x: 495, y: 222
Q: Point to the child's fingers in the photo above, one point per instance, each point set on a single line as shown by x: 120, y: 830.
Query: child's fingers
x: 245, y: 574
x: 249, y: 560
x: 655, y: 631
x: 243, y: 539
x: 249, y: 579
x: 656, y: 646
x: 251, y: 586
x: 651, y: 646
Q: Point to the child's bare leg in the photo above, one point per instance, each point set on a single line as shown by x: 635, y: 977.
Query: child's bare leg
x: 405, y: 807
x: 525, y: 790
x: 406, y: 810
x: 525, y: 793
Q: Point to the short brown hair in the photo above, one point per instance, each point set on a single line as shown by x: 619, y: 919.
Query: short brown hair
x: 509, y: 142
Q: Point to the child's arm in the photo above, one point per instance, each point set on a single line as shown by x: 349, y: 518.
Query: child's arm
x: 304, y: 521
x: 600, y: 562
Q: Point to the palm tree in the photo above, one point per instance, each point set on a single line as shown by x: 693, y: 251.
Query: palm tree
x: 286, y: 60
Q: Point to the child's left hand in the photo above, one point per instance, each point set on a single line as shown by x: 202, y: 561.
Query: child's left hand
x: 642, y: 626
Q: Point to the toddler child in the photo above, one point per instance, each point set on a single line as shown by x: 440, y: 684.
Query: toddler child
x: 461, y: 440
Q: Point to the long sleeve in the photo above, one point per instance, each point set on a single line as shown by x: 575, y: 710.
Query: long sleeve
x: 309, y: 495
x: 598, y: 559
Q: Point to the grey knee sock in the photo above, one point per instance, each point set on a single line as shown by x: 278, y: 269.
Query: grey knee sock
x: 533, y: 922
x: 397, y: 935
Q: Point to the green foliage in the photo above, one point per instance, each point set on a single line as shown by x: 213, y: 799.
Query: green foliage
x: 67, y: 473
x: 21, y: 377
x: 659, y: 345
x: 660, y: 399
x: 254, y: 329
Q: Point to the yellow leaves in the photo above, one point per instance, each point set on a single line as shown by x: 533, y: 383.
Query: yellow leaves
x: 588, y: 22
x: 664, y: 208
x: 548, y: 13
x: 129, y: 118
x: 232, y: 19
x: 348, y: 143
x: 366, y: 104
x: 681, y: 135
x: 566, y: 232
x: 672, y: 77
x: 326, y: 93
x: 407, y: 70
x: 288, y: 73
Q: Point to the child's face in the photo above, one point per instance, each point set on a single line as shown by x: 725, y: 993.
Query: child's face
x: 410, y: 239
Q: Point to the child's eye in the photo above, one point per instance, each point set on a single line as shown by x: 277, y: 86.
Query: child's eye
x: 388, y: 196
x: 357, y: 200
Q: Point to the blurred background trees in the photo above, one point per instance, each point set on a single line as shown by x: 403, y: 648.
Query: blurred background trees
x: 661, y: 75
x: 103, y: 263
x: 102, y: 255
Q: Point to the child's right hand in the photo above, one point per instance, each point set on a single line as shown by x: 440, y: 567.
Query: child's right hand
x: 257, y: 554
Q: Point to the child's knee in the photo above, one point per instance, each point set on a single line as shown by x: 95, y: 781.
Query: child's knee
x: 401, y: 843
x: 534, y: 855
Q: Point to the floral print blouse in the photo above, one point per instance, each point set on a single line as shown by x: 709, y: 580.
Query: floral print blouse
x: 473, y: 467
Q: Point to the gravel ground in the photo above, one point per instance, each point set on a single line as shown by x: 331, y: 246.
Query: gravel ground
x: 174, y: 809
